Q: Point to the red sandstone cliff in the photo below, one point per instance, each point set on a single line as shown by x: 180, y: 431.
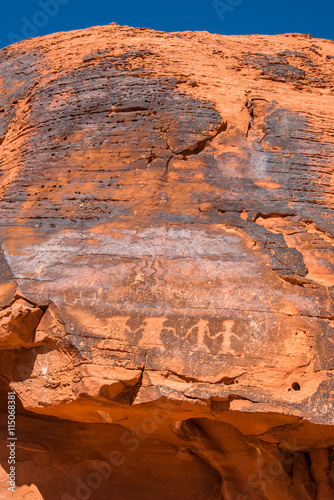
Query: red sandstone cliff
x: 166, y: 265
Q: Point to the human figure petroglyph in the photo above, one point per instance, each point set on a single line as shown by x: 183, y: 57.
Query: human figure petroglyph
x: 201, y: 333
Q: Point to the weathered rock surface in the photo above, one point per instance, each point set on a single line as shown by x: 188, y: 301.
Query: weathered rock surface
x: 167, y: 257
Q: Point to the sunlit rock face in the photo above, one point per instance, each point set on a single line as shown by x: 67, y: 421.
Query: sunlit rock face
x: 166, y: 265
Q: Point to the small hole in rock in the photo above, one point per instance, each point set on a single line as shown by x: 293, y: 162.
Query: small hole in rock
x: 296, y: 386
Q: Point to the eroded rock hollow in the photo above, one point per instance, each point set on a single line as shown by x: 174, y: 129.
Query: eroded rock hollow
x: 166, y: 287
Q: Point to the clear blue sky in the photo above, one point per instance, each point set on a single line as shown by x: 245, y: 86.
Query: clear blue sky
x: 24, y: 18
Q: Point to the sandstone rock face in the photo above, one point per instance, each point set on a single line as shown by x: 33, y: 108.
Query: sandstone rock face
x: 166, y: 265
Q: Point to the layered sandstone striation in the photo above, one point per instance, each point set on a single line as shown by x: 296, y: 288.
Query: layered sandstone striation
x: 167, y: 257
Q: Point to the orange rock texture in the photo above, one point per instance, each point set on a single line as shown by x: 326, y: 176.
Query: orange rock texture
x: 166, y: 265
